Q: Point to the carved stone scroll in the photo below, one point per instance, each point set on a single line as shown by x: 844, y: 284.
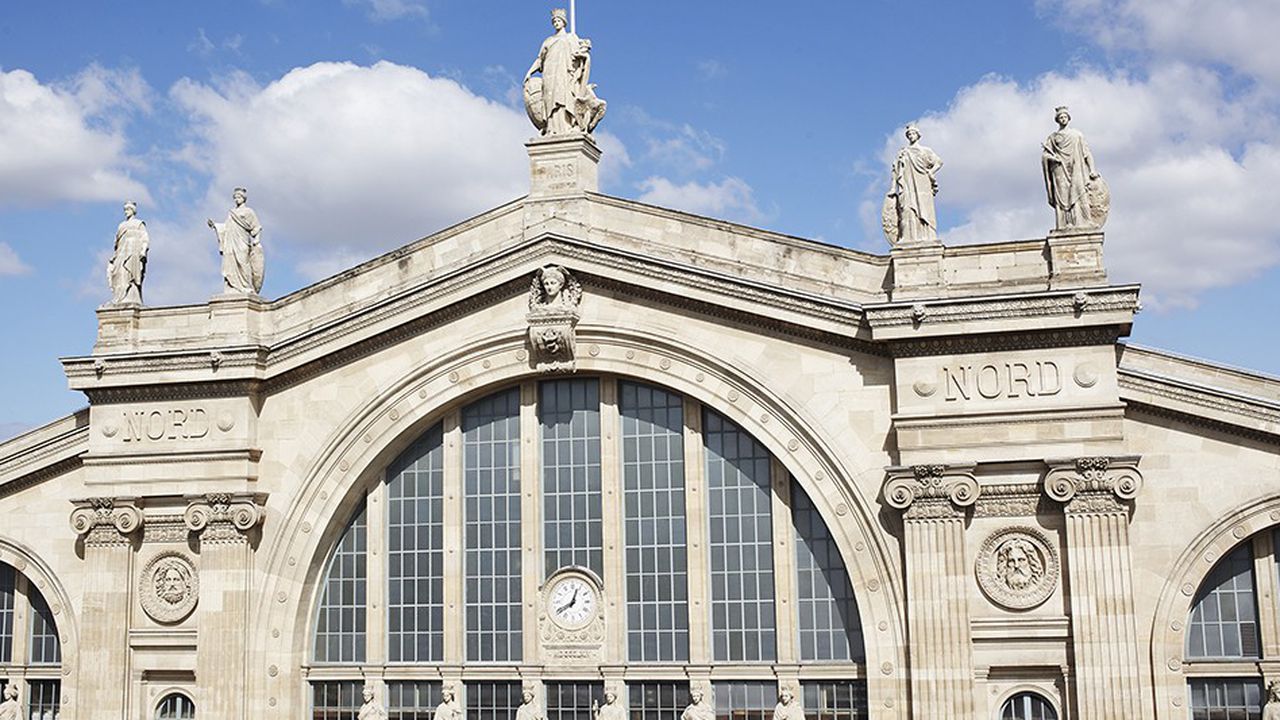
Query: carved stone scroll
x: 223, y: 517
x: 106, y: 521
x: 1093, y: 484
x: 931, y: 490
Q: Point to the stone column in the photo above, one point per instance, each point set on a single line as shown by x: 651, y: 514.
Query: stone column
x: 1095, y: 493
x: 223, y: 522
x: 934, y: 500
x: 107, y: 527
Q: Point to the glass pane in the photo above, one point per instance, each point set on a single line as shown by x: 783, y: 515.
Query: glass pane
x: 569, y: 412
x: 1226, y: 699
x: 572, y: 700
x: 45, y: 647
x: 1224, y: 616
x: 412, y: 700
x: 7, y: 576
x: 829, y: 626
x: 492, y: 700
x: 657, y: 700
x: 491, y: 471
x: 340, y: 622
x: 336, y: 700
x: 740, y: 497
x: 835, y: 700
x: 653, y: 491
x: 415, y: 550
x: 44, y: 699
x: 176, y: 707
x: 744, y: 700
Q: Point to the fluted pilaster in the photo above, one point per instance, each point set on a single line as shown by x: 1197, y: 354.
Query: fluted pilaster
x: 934, y: 500
x: 1096, y: 493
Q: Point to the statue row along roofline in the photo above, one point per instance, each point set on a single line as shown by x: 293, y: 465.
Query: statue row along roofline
x: 562, y: 105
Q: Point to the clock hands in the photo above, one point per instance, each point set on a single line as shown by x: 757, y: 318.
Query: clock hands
x: 571, y: 602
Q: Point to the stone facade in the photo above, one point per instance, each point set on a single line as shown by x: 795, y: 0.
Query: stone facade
x: 1021, y: 502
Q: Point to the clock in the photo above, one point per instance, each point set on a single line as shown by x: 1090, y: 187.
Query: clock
x: 573, y: 602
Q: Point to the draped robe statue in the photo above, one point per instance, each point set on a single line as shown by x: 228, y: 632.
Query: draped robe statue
x: 611, y: 710
x: 1271, y: 708
x: 449, y: 707
x: 562, y: 100
x: 787, y: 709
x: 128, y: 263
x: 700, y: 708
x: 529, y: 709
x: 1077, y: 194
x: 371, y: 710
x: 11, y: 709
x: 914, y: 185
x: 240, y: 243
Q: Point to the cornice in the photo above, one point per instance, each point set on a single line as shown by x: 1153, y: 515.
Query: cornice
x: 1064, y: 303
x: 1167, y: 393
x: 1003, y: 341
x: 49, y: 457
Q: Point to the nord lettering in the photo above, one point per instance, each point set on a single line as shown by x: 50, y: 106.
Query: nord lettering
x: 157, y: 425
x: 1002, y: 380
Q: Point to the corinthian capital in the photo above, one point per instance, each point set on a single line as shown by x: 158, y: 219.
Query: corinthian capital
x: 925, y: 491
x: 105, y: 520
x: 1093, y: 483
x: 223, y: 517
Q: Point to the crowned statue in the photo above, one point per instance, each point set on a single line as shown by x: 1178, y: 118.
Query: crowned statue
x: 787, y: 707
x: 562, y: 99
x: 1271, y: 706
x: 11, y: 709
x: 371, y: 709
x: 700, y: 707
x: 128, y: 263
x: 1078, y: 195
x: 909, y: 215
x: 240, y: 244
x: 449, y: 707
x: 529, y: 708
x: 611, y: 710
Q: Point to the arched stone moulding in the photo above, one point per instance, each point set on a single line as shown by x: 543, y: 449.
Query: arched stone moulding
x: 372, y: 436
x: 1168, y: 631
x: 26, y: 561
x: 162, y: 694
x: 1046, y: 690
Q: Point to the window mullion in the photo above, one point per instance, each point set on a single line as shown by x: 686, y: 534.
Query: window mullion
x: 611, y: 511
x: 695, y: 514
x: 376, y: 574
x: 1265, y: 576
x: 22, y: 618
x: 454, y: 582
x: 530, y: 518
x: 784, y: 565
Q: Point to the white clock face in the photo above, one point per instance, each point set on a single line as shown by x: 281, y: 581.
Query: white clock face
x: 573, y: 602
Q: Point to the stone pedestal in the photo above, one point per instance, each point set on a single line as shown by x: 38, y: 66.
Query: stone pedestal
x: 236, y: 318
x: 934, y: 500
x: 117, y: 326
x: 562, y: 165
x: 1095, y: 493
x: 107, y: 527
x: 917, y: 271
x: 1075, y: 259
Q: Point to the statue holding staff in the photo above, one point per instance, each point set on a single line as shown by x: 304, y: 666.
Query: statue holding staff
x: 562, y: 100
x: 128, y: 264
x: 240, y: 243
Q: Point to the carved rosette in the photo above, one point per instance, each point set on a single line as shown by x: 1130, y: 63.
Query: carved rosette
x: 1017, y: 568
x: 931, y: 491
x: 169, y: 587
x: 554, y: 296
x: 223, y: 517
x: 106, y: 521
x: 1094, y: 484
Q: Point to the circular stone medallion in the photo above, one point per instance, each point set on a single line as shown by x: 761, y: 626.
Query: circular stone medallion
x: 1017, y: 568
x: 169, y: 587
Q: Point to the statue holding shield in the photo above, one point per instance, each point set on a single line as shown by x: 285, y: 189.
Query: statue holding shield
x: 562, y: 99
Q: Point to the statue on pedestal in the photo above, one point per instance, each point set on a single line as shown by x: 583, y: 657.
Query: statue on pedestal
x: 449, y: 707
x: 909, y: 215
x: 1270, y: 708
x: 11, y: 709
x: 562, y: 100
x: 553, y: 317
x: 787, y: 708
x: 700, y: 708
x: 530, y: 709
x: 1078, y: 195
x: 128, y: 264
x: 371, y: 710
x: 240, y: 243
x: 611, y: 710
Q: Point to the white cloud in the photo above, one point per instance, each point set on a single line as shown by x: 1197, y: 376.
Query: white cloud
x: 10, y: 263
x: 385, y: 10
x: 1192, y: 170
x: 343, y: 161
x: 730, y: 198
x: 1239, y: 33
x: 66, y: 141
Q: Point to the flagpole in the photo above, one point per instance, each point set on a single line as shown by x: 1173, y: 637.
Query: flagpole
x: 573, y: 16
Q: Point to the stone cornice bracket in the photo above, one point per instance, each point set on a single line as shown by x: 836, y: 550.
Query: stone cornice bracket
x: 1094, y: 484
x: 931, y: 491
x: 224, y: 517
x: 104, y: 521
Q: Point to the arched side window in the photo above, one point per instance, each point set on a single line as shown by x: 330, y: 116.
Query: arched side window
x: 1224, y: 615
x: 25, y: 615
x: 448, y: 557
x: 176, y: 706
x: 1027, y: 706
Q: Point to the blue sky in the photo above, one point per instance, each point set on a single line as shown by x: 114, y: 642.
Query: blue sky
x: 361, y: 125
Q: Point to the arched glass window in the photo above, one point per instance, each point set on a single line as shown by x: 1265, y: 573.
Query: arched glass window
x: 176, y: 706
x: 1224, y: 615
x: 24, y: 610
x: 1027, y: 706
x: 693, y: 527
